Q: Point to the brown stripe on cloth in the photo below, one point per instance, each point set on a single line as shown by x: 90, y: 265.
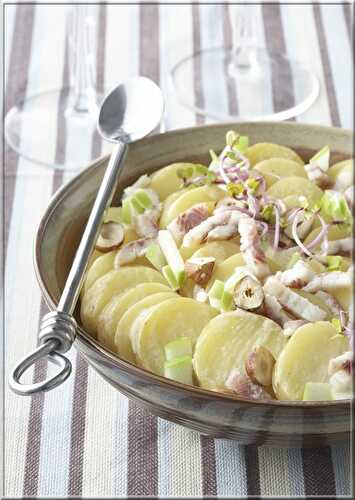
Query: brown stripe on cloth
x: 142, y: 466
x: 252, y: 469
x: 328, y: 77
x: 347, y: 16
x: 227, y: 34
x: 196, y: 43
x: 318, y: 472
x: 100, y: 63
x: 78, y: 420
x: 33, y: 446
x: 208, y: 458
x: 18, y: 69
x: 275, y: 42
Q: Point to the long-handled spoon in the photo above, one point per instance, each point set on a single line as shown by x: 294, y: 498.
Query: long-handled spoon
x: 129, y: 112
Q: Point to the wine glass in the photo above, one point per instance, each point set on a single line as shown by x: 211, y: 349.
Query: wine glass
x: 72, y: 110
x: 244, y: 81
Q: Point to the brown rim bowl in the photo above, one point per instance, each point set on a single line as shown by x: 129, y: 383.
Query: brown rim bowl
x: 276, y: 423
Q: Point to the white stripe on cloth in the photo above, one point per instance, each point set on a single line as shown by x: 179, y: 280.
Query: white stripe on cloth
x: 334, y: 22
x: 230, y: 469
x: 175, y: 44
x: 179, y: 459
x: 22, y: 296
x: 105, y: 447
x: 305, y: 48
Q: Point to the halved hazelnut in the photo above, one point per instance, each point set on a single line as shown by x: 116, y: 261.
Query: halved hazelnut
x: 248, y: 294
x: 242, y: 385
x: 111, y: 236
x: 259, y: 366
x: 200, y: 269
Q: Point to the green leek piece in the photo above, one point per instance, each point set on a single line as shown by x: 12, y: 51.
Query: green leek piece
x: 317, y: 391
x: 295, y: 258
x: 322, y: 158
x: 337, y: 325
x: 215, y: 294
x: 138, y: 209
x: 155, y: 256
x: 178, y: 348
x: 143, y: 199
x: 226, y: 302
x: 179, y: 369
x: 334, y: 205
x: 127, y: 211
x: 334, y: 262
x: 172, y: 255
x: 170, y: 277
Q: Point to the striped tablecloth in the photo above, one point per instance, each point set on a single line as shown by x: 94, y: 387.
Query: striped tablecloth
x: 85, y: 439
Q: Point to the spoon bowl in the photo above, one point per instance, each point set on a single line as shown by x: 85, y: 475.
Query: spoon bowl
x: 130, y: 111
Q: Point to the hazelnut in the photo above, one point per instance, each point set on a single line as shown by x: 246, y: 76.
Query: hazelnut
x: 259, y: 366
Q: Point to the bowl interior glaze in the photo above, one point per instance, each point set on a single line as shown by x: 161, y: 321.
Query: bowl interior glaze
x: 59, y: 234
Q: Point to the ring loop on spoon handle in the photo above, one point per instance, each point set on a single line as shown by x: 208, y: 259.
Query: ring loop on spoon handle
x: 58, y: 328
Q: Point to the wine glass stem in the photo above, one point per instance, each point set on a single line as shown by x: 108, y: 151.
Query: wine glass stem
x: 243, y: 33
x: 81, y: 42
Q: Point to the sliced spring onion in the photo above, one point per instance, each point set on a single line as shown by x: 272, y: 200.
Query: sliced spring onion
x: 127, y: 211
x: 179, y: 369
x: 136, y: 206
x: 334, y: 262
x: 170, y: 277
x: 172, y: 255
x: 322, y: 158
x: 215, y: 294
x: 337, y: 324
x: 334, y: 205
x: 226, y: 302
x: 177, y: 348
x: 143, y: 199
x: 156, y: 256
x: 295, y: 258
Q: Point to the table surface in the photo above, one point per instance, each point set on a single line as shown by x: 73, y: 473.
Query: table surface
x: 84, y: 438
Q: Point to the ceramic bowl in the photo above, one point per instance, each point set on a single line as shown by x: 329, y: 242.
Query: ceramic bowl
x: 275, y: 423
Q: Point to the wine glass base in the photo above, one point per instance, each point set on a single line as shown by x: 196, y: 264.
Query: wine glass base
x: 253, y: 85
x: 48, y: 130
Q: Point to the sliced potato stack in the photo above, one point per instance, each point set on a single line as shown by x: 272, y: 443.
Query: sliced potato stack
x: 305, y: 359
x: 267, y: 150
x: 174, y: 318
x: 227, y: 340
x: 112, y: 283
x: 118, y: 305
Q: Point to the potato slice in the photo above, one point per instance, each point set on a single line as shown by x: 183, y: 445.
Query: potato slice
x: 113, y: 283
x: 122, y: 338
x: 165, y: 181
x: 98, y: 268
x: 295, y: 186
x: 305, y: 359
x: 188, y: 199
x: 226, y: 342
x: 224, y: 270
x: 275, y: 168
x: 181, y: 317
x: 220, y: 250
x: 267, y: 150
x: 118, y: 305
x: 335, y: 232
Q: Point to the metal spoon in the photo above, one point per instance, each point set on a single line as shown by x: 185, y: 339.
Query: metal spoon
x: 128, y: 113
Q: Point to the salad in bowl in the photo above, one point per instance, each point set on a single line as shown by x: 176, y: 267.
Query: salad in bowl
x: 234, y: 276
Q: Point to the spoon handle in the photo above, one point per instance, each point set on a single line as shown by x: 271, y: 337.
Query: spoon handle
x: 104, y: 197
x: 58, y: 328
